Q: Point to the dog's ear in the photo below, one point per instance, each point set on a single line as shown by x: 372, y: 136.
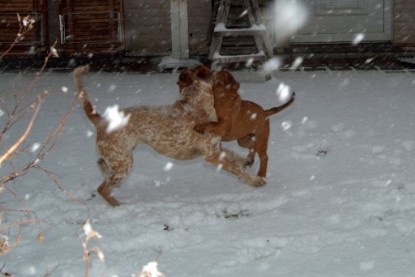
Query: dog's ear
x: 185, y: 78
x: 224, y: 78
x: 220, y: 78
x: 202, y: 71
x: 232, y: 82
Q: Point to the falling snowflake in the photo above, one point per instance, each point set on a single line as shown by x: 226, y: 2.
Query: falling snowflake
x: 249, y: 62
x: 115, y: 118
x: 168, y: 166
x: 286, y: 125
x: 34, y: 147
x: 283, y: 92
x: 358, y: 39
x: 112, y: 88
x: 245, y: 12
x: 297, y: 62
x: 89, y: 133
x: 289, y: 16
x: 271, y: 65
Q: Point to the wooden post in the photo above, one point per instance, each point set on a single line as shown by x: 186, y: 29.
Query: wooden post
x: 179, y: 29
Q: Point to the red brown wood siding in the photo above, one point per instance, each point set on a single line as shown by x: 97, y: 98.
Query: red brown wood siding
x: 91, y: 27
x: 35, y: 39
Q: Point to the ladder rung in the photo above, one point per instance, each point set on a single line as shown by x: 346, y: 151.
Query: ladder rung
x: 220, y: 27
x: 256, y: 31
x: 240, y: 32
x: 240, y: 58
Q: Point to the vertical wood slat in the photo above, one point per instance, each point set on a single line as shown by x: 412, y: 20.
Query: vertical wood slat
x: 184, y: 30
x: 179, y: 29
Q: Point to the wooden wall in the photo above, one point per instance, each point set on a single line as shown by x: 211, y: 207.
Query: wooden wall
x: 147, y: 26
x: 404, y: 22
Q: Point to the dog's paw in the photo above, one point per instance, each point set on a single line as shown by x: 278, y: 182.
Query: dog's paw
x: 258, y: 181
x: 112, y: 201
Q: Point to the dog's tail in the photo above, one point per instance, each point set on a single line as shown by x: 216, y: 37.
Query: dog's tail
x: 90, y: 111
x: 275, y: 110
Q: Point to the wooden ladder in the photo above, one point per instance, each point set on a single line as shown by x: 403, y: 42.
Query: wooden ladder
x: 257, y: 30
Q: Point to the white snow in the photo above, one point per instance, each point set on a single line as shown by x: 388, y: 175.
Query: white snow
x: 115, y: 117
x: 35, y: 146
x: 297, y: 62
x: 168, y: 166
x: 358, y: 38
x: 288, y: 16
x: 339, y: 199
x: 271, y: 65
x: 283, y: 92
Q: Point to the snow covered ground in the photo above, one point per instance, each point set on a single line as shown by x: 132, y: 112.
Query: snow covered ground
x: 340, y: 197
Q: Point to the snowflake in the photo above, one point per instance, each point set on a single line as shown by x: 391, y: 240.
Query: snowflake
x: 115, y: 118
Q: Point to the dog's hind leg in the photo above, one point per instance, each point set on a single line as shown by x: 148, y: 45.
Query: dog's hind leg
x: 261, y: 146
x: 117, y: 170
x: 104, y: 167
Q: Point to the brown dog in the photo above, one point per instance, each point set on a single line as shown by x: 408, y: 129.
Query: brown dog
x: 244, y: 121
x: 167, y: 129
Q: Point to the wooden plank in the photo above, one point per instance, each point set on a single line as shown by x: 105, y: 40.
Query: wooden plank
x: 179, y: 29
x: 21, y: 6
x: 184, y: 30
x: 174, y: 27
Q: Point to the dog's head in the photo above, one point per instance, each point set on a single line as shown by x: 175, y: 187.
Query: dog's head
x: 189, y: 75
x: 225, y: 79
x: 197, y: 100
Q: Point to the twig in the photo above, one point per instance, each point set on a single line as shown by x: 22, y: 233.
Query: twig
x: 90, y: 234
x: 52, y: 176
x: 23, y: 30
x: 25, y: 210
x: 14, y: 115
x: 23, y: 137
x: 17, y: 113
x: 5, y: 247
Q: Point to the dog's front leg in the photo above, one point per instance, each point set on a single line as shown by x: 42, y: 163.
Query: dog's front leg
x: 231, y: 162
x: 116, y: 166
x: 105, y: 190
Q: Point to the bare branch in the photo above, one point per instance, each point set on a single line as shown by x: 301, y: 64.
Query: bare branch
x: 25, y: 25
x: 23, y: 137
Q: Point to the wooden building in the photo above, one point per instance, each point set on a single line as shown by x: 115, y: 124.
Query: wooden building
x: 154, y: 27
x: 328, y: 22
